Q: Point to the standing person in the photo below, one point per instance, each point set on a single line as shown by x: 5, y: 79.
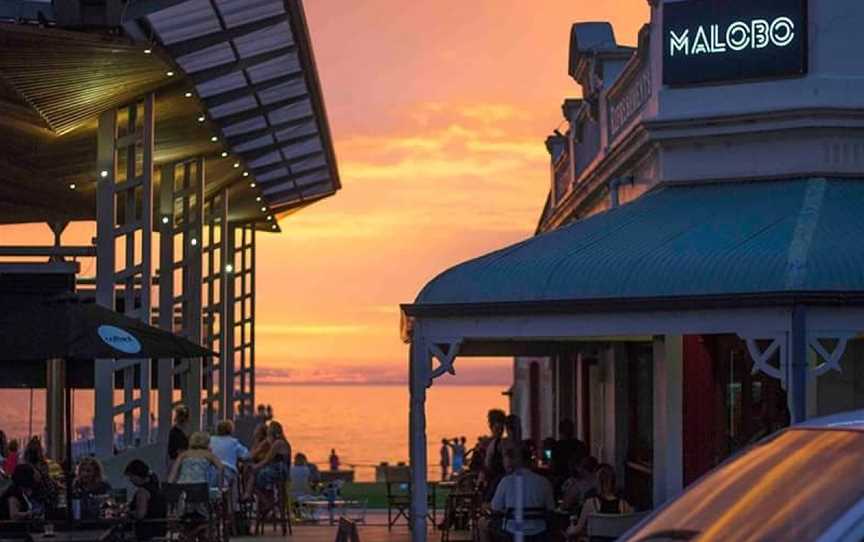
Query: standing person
x: 458, y: 453
x: 445, y: 459
x: 493, y: 457
x: 334, y: 460
x: 11, y: 460
x: 269, y: 413
x: 567, y: 449
x: 148, y: 502
x: 4, y: 446
x: 178, y: 442
x: 536, y: 493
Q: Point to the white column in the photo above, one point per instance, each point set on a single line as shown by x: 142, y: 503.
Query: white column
x: 419, y: 378
x: 668, y: 419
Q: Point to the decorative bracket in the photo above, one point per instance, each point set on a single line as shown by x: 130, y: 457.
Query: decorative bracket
x: 445, y: 359
x: 827, y: 361
x: 761, y: 358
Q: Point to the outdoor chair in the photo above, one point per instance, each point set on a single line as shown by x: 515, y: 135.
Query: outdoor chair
x: 185, y: 522
x: 398, y: 483
x: 278, y: 514
x: 608, y: 527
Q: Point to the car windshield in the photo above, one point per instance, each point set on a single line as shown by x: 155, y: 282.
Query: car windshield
x: 791, y: 487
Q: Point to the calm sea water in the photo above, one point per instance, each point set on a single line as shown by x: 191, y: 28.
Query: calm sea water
x: 365, y: 424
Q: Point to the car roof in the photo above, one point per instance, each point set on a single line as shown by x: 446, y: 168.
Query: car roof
x: 853, y: 419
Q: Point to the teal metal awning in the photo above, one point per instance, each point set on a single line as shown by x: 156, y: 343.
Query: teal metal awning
x: 749, y: 240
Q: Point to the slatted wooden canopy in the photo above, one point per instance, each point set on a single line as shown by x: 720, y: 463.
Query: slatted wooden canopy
x: 242, y: 72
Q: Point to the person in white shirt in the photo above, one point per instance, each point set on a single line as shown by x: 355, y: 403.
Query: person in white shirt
x: 301, y: 477
x: 226, y: 447
x: 536, y: 497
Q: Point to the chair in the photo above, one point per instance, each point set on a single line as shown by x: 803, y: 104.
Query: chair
x: 398, y: 482
x: 607, y: 527
x: 197, y: 496
x: 278, y: 514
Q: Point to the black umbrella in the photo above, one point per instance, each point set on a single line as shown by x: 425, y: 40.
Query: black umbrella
x: 39, y: 328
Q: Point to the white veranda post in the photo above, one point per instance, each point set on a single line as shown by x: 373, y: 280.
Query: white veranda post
x: 423, y: 351
x: 419, y: 373
x: 124, y: 228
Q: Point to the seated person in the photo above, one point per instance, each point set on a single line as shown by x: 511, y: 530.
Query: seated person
x: 581, y: 484
x: 228, y: 449
x: 15, y: 501
x: 89, y: 483
x: 537, y: 498
x: 272, y: 469
x: 148, y: 503
x: 301, y: 477
x: 605, y: 501
x: 194, y: 467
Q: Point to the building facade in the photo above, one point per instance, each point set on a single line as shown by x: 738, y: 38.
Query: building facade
x: 694, y: 283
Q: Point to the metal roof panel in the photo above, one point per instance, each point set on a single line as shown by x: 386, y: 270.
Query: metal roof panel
x: 681, y: 240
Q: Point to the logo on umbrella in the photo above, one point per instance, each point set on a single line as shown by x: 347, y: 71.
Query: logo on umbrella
x: 119, y: 339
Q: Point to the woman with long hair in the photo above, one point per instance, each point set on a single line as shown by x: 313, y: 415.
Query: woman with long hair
x: 606, y: 501
x: 45, y: 492
x: 88, y: 484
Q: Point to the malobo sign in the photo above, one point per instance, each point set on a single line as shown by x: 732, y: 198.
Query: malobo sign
x: 721, y: 40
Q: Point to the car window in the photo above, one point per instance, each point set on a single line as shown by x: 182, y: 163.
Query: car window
x: 791, y: 487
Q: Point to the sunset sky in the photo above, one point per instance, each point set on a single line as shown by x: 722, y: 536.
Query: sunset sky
x: 439, y: 111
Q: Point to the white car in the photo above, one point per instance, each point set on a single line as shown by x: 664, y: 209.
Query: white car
x: 805, y: 483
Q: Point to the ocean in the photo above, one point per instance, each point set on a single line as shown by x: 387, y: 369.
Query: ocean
x: 366, y: 424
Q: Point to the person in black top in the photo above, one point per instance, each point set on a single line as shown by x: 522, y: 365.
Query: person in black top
x: 607, y: 500
x: 148, y: 504
x: 15, y: 501
x: 493, y: 459
x: 178, y: 441
x: 566, y: 449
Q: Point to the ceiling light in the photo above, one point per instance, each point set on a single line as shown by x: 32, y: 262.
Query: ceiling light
x: 229, y: 268
x: 214, y: 139
x: 252, y: 185
x: 258, y: 198
x: 72, y: 186
x: 148, y: 51
x: 263, y: 209
x: 202, y: 118
x: 169, y: 74
x: 103, y: 173
x: 165, y: 219
x: 273, y: 227
x: 245, y: 173
x: 224, y: 154
x: 269, y: 217
x: 236, y: 164
x: 188, y: 94
x: 194, y: 242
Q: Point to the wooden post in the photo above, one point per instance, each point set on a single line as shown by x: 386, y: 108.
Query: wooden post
x: 419, y: 379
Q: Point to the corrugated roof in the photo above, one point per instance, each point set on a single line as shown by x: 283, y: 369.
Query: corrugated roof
x: 251, y: 62
x: 681, y: 241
